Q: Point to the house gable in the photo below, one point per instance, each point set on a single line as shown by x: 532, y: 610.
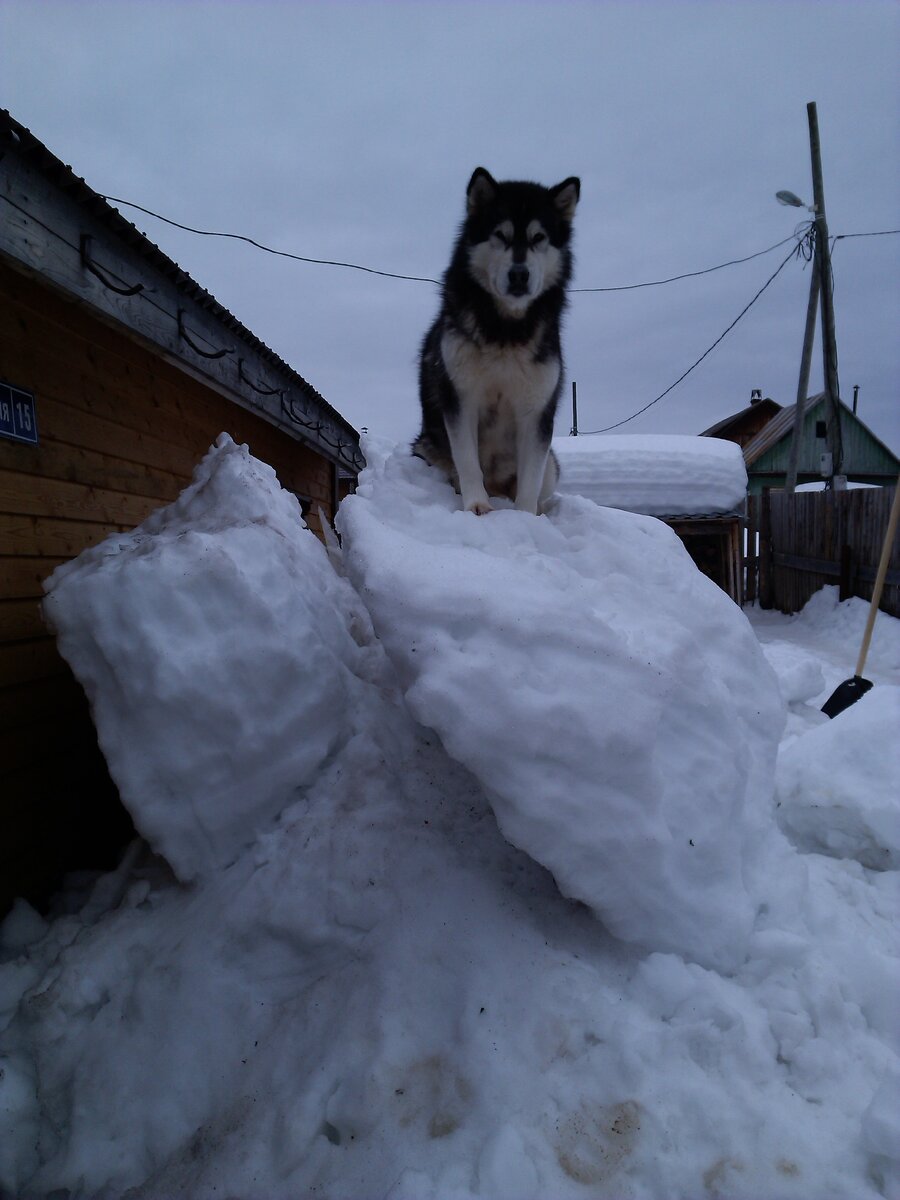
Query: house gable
x: 865, y: 458
x: 743, y: 426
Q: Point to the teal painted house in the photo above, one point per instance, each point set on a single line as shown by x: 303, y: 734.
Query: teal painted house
x: 864, y: 458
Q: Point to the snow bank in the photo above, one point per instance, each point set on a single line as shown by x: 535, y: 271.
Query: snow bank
x: 611, y: 698
x: 380, y: 996
x: 843, y: 622
x: 218, y: 685
x: 839, y: 791
x: 657, y: 474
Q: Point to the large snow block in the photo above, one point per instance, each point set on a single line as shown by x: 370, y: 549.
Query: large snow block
x: 660, y: 475
x: 213, y: 644
x: 614, y: 702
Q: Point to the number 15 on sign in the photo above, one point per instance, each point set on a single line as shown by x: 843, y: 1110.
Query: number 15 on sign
x: 18, y: 420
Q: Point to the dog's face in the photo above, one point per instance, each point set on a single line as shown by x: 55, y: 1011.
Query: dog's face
x: 517, y: 236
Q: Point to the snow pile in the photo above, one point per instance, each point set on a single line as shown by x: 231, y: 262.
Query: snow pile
x: 380, y: 996
x: 657, y: 474
x: 798, y: 672
x: 815, y: 650
x: 843, y: 622
x: 611, y: 698
x: 839, y: 787
x: 218, y: 687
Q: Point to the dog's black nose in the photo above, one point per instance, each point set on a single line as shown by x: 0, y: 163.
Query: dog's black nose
x: 518, y: 279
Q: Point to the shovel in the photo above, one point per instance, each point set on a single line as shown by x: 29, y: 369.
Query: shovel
x: 850, y: 690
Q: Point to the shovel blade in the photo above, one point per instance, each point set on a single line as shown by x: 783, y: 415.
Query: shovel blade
x: 845, y: 694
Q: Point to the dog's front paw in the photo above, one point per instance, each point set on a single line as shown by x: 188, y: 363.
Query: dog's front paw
x: 479, y: 507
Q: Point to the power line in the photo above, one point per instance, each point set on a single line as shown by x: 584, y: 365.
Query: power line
x: 797, y: 250
x: 240, y: 237
x: 803, y: 248
x: 328, y: 262
x: 628, y: 287
x: 876, y: 233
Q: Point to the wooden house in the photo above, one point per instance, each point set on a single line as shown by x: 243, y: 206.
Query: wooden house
x: 117, y: 372
x: 864, y: 458
x: 798, y: 543
x: 744, y: 425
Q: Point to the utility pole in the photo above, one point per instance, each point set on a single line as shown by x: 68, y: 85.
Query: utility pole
x: 823, y: 260
x: 573, y: 432
x: 809, y: 333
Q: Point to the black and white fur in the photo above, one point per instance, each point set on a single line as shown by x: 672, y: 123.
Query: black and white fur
x: 490, y: 371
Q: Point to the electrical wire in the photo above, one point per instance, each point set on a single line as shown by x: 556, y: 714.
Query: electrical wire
x: 628, y: 287
x: 328, y: 262
x: 795, y: 252
x: 240, y: 237
x: 876, y: 233
x: 803, y: 236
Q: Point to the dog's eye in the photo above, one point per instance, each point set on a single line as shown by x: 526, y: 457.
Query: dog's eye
x: 538, y: 239
x: 502, y: 238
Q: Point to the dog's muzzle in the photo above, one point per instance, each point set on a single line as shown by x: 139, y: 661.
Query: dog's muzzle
x: 518, y: 280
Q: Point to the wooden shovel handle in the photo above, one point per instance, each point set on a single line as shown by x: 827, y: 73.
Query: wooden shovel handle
x: 879, y: 579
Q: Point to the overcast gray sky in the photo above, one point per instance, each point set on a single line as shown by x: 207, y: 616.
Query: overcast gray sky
x: 349, y: 131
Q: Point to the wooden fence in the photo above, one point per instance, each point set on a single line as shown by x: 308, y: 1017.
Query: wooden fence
x: 798, y: 544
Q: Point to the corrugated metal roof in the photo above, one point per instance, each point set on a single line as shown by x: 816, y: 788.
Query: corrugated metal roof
x: 22, y: 140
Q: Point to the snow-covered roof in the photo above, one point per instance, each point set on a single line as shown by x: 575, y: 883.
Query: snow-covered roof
x: 660, y: 475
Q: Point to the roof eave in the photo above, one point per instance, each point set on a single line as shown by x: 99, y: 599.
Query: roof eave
x: 279, y: 391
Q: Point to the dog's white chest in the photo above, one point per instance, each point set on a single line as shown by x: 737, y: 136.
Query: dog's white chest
x: 503, y: 392
x: 499, y: 377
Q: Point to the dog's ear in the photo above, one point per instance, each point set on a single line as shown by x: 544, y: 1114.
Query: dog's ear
x: 565, y: 196
x: 481, y: 190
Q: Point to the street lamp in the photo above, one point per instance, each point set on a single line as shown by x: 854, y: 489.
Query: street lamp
x: 792, y: 201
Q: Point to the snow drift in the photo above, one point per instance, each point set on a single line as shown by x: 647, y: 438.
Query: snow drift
x: 613, y: 701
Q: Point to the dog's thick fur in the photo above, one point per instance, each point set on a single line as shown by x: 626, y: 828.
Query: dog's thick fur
x: 490, y: 370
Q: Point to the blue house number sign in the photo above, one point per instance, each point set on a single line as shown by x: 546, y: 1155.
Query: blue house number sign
x: 17, y: 416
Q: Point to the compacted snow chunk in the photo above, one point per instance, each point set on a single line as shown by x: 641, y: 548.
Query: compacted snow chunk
x: 838, y: 791
x: 218, y: 684
x: 658, y: 474
x: 614, y: 702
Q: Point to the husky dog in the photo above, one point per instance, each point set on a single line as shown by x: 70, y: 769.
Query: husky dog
x: 490, y: 370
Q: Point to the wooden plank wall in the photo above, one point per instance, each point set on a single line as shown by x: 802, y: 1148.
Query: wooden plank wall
x: 714, y: 543
x: 812, y: 539
x: 120, y: 432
